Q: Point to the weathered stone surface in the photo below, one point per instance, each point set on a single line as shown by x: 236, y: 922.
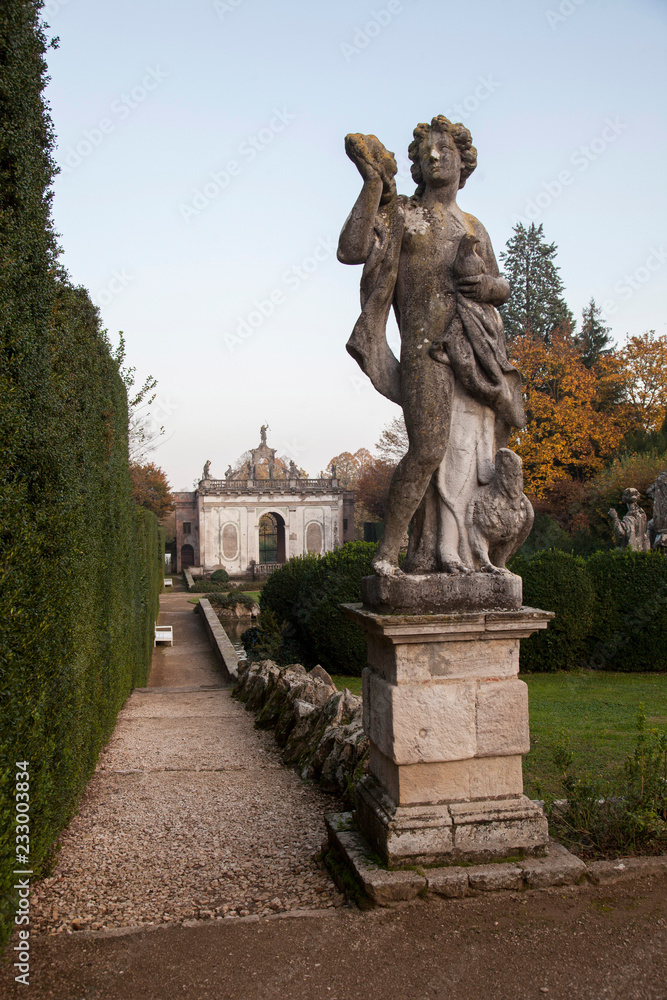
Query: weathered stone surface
x: 449, y: 781
x: 454, y: 382
x: 382, y: 886
x: 488, y: 878
x: 560, y: 867
x: 495, y: 829
x: 320, y: 673
x: 320, y: 728
x: 411, y: 723
x: 450, y: 882
x: 631, y: 532
x: 442, y: 592
x: 502, y: 718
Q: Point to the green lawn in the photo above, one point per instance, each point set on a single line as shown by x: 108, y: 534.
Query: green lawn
x: 596, y: 711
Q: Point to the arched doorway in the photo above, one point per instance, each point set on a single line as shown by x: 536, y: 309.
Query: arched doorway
x: 187, y: 555
x: 271, y: 538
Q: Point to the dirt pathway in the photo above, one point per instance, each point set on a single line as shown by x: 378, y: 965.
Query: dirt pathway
x: 190, y: 812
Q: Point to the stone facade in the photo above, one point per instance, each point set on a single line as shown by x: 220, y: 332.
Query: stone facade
x: 217, y: 525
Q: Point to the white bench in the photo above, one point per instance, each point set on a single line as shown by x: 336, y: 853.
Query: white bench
x: 164, y: 633
x: 168, y: 582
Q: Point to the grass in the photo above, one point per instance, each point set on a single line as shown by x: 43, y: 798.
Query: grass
x: 596, y: 710
x: 597, y: 713
x: 343, y: 681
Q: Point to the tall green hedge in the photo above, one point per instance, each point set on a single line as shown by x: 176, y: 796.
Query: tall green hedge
x: 556, y: 581
x: 80, y: 565
x: 611, y: 610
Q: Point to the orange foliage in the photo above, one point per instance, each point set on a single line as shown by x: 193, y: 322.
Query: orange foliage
x: 570, y: 429
x: 645, y: 367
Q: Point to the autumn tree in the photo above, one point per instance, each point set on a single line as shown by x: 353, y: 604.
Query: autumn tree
x: 535, y: 307
x: 372, y: 487
x: 349, y: 467
x: 393, y: 442
x: 644, y: 360
x: 567, y: 436
x: 150, y: 488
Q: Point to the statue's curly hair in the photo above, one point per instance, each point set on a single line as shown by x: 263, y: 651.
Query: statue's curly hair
x: 461, y: 137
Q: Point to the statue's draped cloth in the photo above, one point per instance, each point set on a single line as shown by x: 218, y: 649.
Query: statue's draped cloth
x: 473, y: 344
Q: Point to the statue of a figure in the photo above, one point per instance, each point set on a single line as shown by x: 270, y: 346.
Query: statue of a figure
x: 262, y: 431
x: 207, y: 469
x: 293, y: 471
x: 630, y: 533
x: 229, y: 473
x: 657, y: 526
x: 334, y: 474
x: 460, y: 395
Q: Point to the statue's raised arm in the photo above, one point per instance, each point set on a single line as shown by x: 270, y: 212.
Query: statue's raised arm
x: 377, y: 167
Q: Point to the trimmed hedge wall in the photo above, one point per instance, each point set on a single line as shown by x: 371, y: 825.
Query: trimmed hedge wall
x: 611, y: 610
x: 80, y: 566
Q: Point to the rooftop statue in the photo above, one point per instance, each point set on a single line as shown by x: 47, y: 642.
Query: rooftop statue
x: 460, y: 395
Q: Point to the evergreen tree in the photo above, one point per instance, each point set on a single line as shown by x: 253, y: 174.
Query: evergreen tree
x: 594, y: 341
x: 535, y: 307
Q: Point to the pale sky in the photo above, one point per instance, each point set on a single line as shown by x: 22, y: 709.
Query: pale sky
x: 204, y: 183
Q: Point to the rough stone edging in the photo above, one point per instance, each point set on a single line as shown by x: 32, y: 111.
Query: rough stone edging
x: 319, y: 728
x: 220, y: 642
x: 559, y: 868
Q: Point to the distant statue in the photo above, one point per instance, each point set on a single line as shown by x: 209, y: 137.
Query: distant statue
x: 461, y: 397
x: 293, y: 471
x: 262, y: 431
x: 500, y: 515
x: 207, y: 469
x: 333, y: 471
x: 229, y: 473
x: 631, y: 532
x: 657, y: 526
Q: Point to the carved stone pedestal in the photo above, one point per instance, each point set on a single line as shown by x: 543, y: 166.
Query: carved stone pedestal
x: 447, y: 718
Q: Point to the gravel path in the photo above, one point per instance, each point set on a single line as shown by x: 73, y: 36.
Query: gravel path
x: 190, y: 813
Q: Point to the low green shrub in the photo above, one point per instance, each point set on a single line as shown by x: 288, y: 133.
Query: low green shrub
x: 281, y: 591
x: 220, y: 576
x: 230, y: 600
x: 335, y: 579
x: 627, y: 814
x: 207, y: 585
x: 556, y: 581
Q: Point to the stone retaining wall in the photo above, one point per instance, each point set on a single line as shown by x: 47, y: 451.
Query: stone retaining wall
x: 220, y: 641
x: 319, y: 727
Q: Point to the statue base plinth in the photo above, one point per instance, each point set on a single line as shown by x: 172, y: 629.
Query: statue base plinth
x: 447, y: 720
x: 408, y: 593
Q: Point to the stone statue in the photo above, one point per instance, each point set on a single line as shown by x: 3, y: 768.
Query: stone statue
x: 262, y: 431
x: 207, y: 469
x: 657, y: 526
x: 460, y: 395
x: 293, y: 471
x: 229, y: 473
x: 631, y: 532
x: 333, y: 471
x: 499, y: 516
